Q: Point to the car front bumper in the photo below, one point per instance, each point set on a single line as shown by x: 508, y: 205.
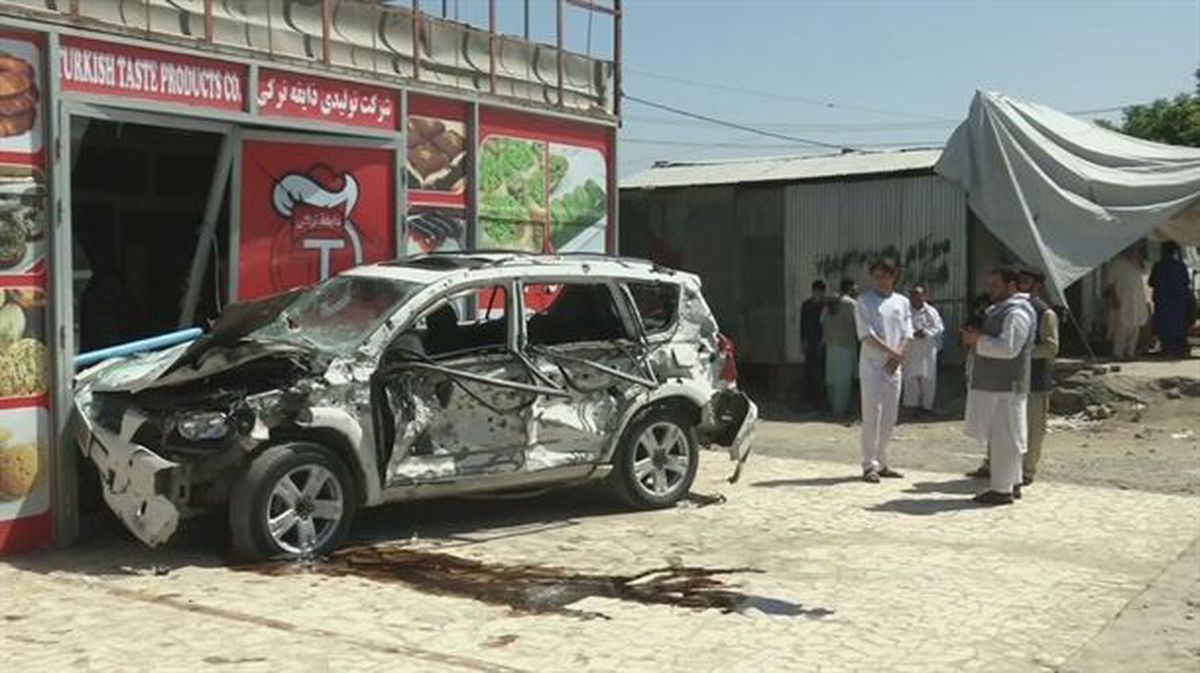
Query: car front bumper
x: 136, y: 482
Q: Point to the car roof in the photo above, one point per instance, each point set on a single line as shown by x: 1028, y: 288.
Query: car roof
x: 464, y: 266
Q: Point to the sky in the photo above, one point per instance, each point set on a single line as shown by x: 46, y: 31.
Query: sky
x: 914, y: 65
x: 863, y: 74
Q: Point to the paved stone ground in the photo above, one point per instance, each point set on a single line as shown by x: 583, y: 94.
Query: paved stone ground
x: 913, y: 576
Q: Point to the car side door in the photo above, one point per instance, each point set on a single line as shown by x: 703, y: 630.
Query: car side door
x: 451, y: 396
x: 580, y: 336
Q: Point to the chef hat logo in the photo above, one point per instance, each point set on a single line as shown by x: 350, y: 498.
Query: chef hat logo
x: 296, y: 189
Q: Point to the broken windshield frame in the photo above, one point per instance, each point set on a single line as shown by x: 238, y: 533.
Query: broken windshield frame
x: 339, y: 314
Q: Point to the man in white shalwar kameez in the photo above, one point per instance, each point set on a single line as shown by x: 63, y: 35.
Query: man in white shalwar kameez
x: 1130, y: 301
x: 920, y: 359
x: 883, y: 321
x: 999, y: 387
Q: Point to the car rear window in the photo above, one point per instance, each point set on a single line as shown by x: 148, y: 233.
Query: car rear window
x: 657, y: 305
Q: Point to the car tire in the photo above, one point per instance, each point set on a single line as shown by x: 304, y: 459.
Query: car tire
x: 295, y: 500
x: 656, y: 459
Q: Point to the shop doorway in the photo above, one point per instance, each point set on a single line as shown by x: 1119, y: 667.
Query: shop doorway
x: 142, y: 197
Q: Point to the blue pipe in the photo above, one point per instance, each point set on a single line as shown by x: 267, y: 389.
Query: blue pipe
x: 140, y: 346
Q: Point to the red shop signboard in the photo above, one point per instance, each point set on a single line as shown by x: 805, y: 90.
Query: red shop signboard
x: 310, y: 211
x: 283, y: 94
x: 26, y: 464
x: 92, y: 66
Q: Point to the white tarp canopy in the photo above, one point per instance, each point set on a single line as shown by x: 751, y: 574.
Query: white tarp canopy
x: 1066, y: 194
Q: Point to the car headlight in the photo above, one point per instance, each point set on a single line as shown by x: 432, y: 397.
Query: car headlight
x: 199, y: 426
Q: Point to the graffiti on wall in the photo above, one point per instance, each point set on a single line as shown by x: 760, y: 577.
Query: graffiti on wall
x: 924, y: 262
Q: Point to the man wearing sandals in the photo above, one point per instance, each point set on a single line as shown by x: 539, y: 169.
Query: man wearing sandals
x: 883, y: 319
x: 999, y: 388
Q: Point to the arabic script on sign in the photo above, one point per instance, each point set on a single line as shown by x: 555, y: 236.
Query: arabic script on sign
x: 325, y: 99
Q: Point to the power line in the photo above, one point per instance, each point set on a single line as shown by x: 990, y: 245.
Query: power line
x: 762, y: 146
x: 735, y: 125
x: 849, y: 127
x: 830, y: 105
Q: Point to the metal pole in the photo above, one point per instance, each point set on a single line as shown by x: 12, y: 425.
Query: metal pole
x: 60, y: 338
x: 559, y: 42
x: 208, y: 228
x: 326, y: 25
x: 472, y: 233
x: 492, y: 46
x: 617, y: 16
x: 416, y: 39
x: 399, y: 163
x: 1087, y: 345
x: 526, y: 20
x: 208, y: 21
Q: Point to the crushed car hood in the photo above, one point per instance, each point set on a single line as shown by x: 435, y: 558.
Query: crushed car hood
x: 223, y: 348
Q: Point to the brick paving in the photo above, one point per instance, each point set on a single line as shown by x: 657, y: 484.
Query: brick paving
x: 904, y: 576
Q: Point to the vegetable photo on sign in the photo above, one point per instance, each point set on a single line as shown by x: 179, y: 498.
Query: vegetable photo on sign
x: 23, y: 354
x: 22, y: 219
x: 541, y: 197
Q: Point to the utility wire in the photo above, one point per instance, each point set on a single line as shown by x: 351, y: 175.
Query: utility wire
x: 783, y: 97
x: 735, y: 125
x: 848, y: 127
x: 831, y: 105
x: 764, y: 146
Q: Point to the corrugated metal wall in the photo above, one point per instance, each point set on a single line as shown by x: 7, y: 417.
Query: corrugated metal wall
x: 834, y: 229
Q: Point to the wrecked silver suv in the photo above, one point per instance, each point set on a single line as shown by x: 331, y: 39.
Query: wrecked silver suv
x: 436, y: 376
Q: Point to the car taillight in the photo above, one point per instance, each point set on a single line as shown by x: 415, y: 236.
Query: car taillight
x: 728, y: 353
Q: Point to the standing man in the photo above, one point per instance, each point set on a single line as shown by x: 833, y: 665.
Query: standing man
x: 812, y: 338
x: 997, y: 401
x: 841, y: 348
x: 1041, y: 378
x: 883, y: 322
x: 1130, y: 305
x: 1173, y: 311
x: 920, y: 360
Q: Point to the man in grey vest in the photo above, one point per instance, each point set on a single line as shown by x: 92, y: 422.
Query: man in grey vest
x: 1045, y: 350
x: 999, y: 390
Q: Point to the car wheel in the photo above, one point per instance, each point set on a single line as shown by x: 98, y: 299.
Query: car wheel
x: 296, y: 499
x: 656, y: 461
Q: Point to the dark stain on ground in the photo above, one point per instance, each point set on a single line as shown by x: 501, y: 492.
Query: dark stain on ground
x: 242, y: 660
x: 534, y: 589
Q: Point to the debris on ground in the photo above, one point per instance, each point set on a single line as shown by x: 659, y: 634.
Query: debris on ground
x: 701, y: 500
x: 1098, y: 412
x: 1186, y: 434
x: 1076, y: 422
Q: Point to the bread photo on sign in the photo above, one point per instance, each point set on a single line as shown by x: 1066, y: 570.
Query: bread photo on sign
x: 18, y: 95
x: 19, y: 467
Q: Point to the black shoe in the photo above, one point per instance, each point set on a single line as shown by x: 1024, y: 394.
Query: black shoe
x: 994, y: 498
x: 981, y: 472
x: 1025, y: 481
x: 889, y: 473
x: 1016, y: 492
x: 871, y: 477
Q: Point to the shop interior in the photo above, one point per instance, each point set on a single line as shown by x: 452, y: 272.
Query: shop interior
x: 138, y: 199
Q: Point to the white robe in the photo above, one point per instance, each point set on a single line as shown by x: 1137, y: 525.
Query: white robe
x: 888, y: 319
x: 1129, y: 283
x: 998, y: 419
x: 920, y: 357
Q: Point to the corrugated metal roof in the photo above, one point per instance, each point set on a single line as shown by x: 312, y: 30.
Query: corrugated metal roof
x: 786, y: 169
